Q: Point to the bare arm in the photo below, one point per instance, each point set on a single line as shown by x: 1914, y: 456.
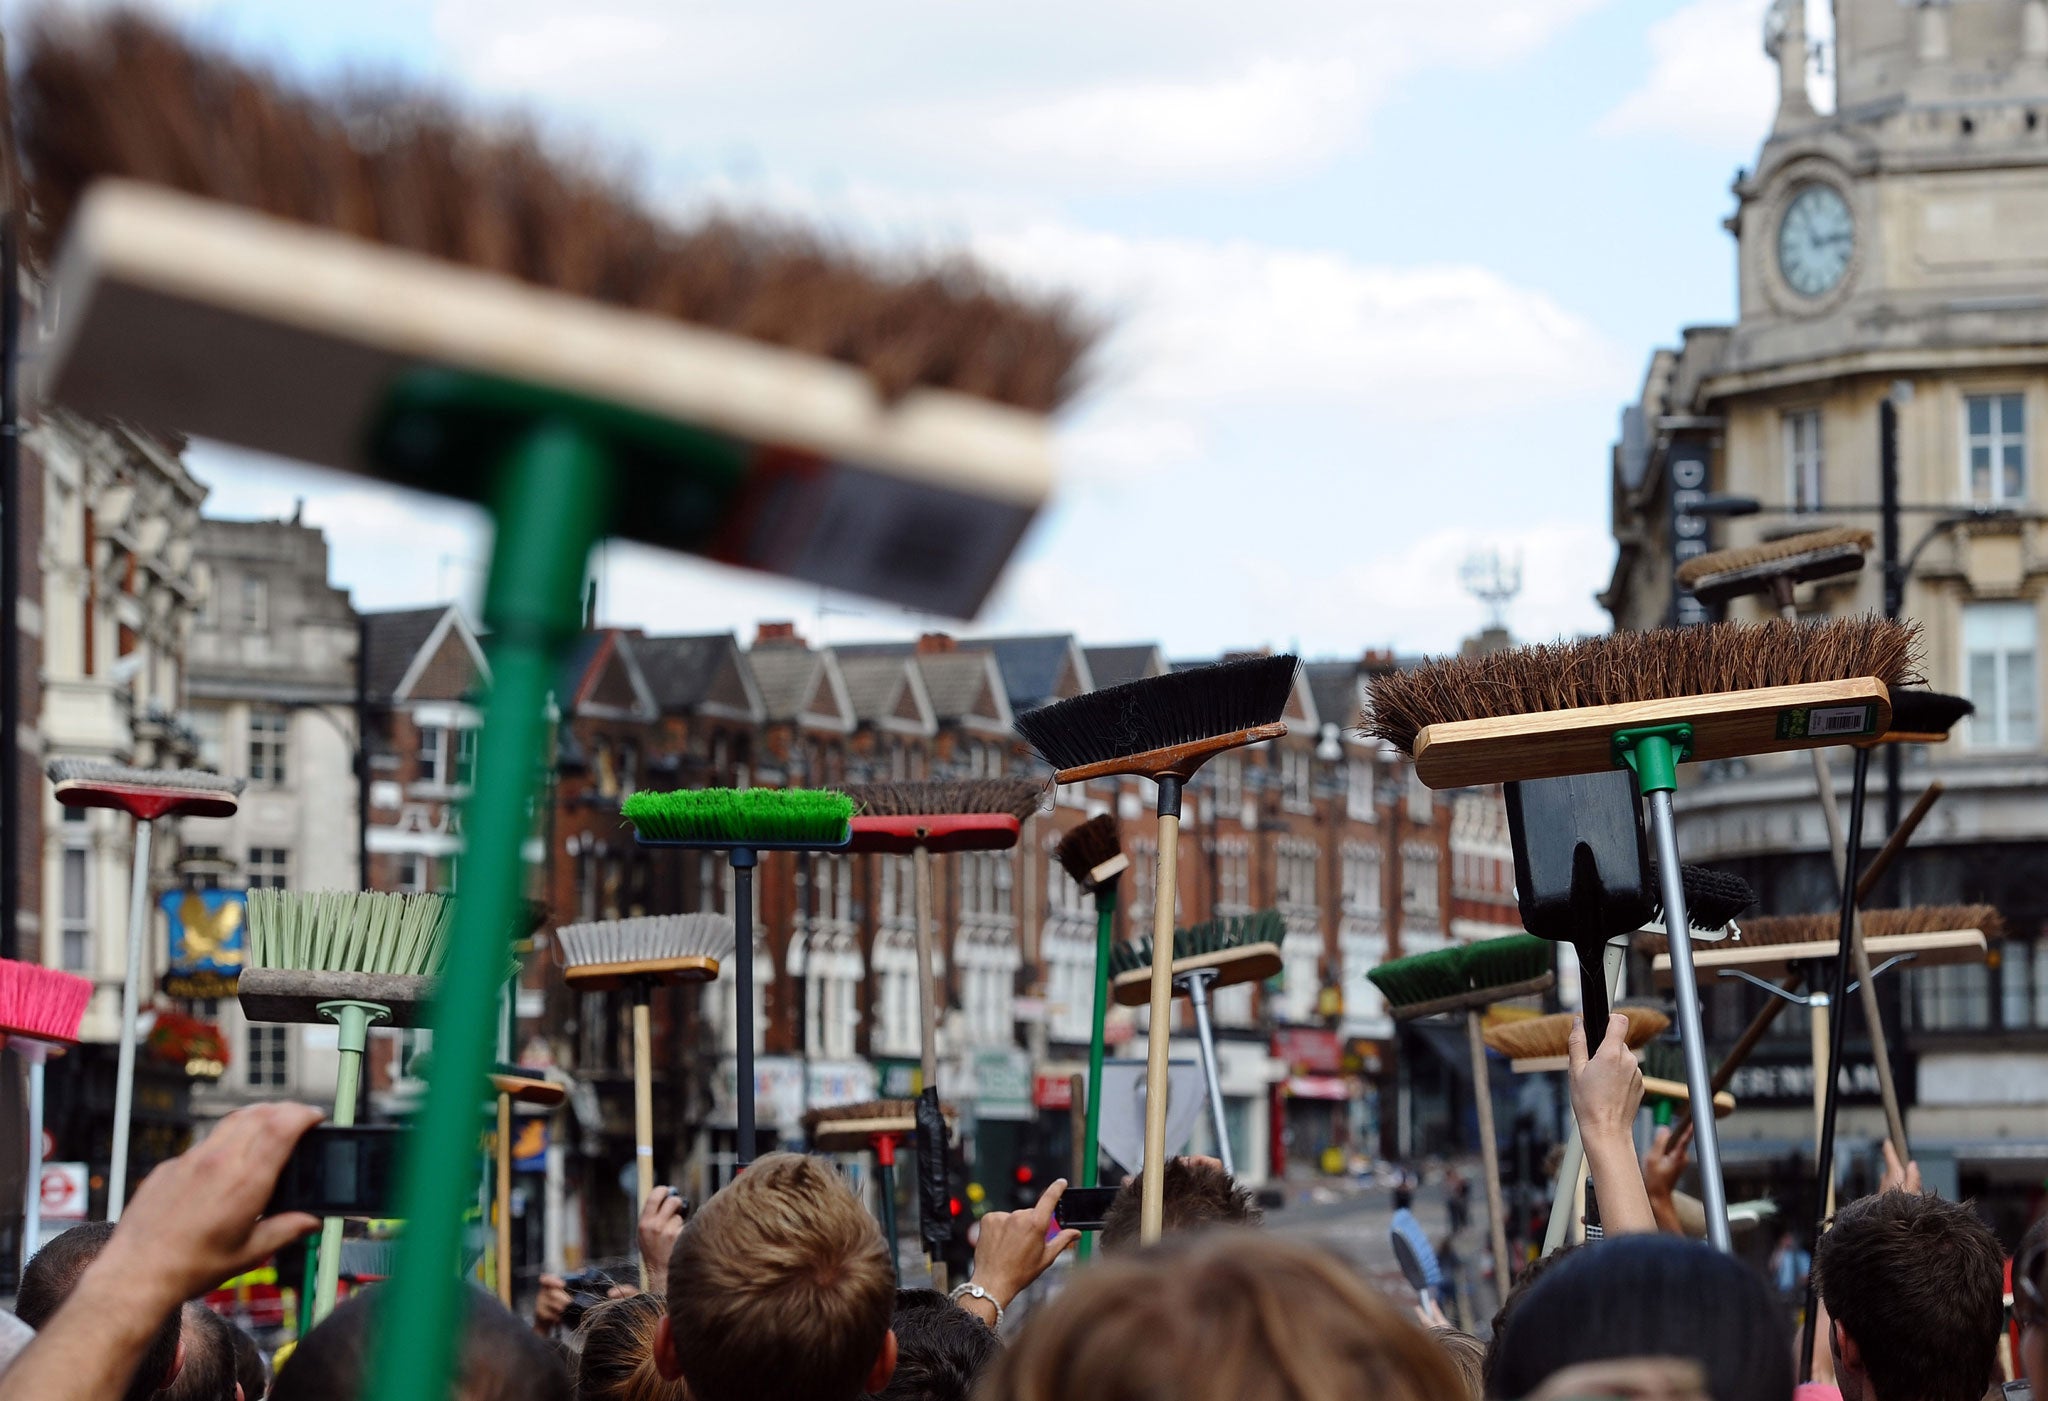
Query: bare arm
x: 1607, y: 1089
x: 193, y: 1222
x: 1662, y: 1167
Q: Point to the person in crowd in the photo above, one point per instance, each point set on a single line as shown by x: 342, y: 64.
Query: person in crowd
x: 1011, y: 1250
x: 1915, y: 1294
x: 55, y: 1272
x: 2030, y: 1304
x: 1648, y: 1296
x: 1524, y: 1282
x: 1663, y: 1165
x: 1221, y: 1316
x: 1790, y: 1266
x: 1607, y: 1090
x: 941, y: 1351
x: 208, y: 1373
x: 252, y: 1373
x: 1198, y: 1195
x: 780, y: 1285
x: 616, y: 1362
x: 191, y: 1223
x: 500, y: 1359
x: 1468, y: 1355
x: 661, y: 1221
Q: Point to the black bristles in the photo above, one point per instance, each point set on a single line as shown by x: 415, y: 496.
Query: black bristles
x: 1712, y: 898
x: 1158, y: 712
x: 1087, y: 847
x: 1920, y: 712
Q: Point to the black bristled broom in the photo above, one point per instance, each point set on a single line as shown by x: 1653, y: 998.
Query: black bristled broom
x: 1648, y: 701
x: 918, y: 820
x: 1163, y: 728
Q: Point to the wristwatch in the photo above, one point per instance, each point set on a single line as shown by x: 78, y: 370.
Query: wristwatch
x: 978, y: 1292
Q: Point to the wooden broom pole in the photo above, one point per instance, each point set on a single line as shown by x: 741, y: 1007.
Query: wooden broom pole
x: 1152, y: 1203
x: 643, y: 1109
x: 1489, y: 1150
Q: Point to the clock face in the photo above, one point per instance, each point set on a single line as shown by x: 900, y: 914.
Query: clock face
x: 1815, y: 239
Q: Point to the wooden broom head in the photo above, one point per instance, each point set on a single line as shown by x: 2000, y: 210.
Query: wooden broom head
x: 845, y: 1128
x: 1813, y: 554
x: 1552, y: 710
x: 1544, y: 1038
x: 1768, y: 931
x: 1234, y: 949
x: 528, y: 1089
x: 1163, y: 726
x: 645, y: 949
x: 122, y: 96
x: 1087, y: 850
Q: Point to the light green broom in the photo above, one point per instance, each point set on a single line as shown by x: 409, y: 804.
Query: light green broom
x: 351, y: 958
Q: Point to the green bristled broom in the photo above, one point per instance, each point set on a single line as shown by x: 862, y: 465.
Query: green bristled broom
x: 1647, y: 701
x: 348, y: 957
x: 1468, y: 978
x: 1215, y: 954
x: 1093, y: 855
x: 1163, y: 728
x: 980, y: 814
x: 743, y: 823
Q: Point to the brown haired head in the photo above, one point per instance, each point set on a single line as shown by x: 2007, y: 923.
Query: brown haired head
x: 1915, y: 1286
x: 779, y: 1286
x: 1223, y: 1316
x: 617, y: 1360
x: 1197, y: 1194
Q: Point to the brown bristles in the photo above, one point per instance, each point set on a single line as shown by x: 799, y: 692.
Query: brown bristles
x: 1812, y: 554
x: 904, y: 1109
x: 1877, y: 924
x: 1620, y: 667
x: 1017, y: 797
x: 1087, y: 847
x: 124, y: 96
x: 1534, y: 1038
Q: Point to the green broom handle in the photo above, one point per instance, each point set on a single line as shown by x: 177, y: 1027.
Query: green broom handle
x: 1105, y: 936
x: 354, y: 1019
x: 555, y: 493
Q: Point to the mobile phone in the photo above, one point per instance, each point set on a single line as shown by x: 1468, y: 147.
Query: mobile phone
x: 587, y: 1289
x: 336, y: 1171
x: 1084, y: 1208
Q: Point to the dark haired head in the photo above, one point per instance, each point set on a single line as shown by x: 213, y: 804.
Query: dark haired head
x: 1648, y: 1296
x: 1524, y: 1282
x: 1198, y: 1193
x: 502, y: 1359
x: 51, y: 1276
x: 251, y: 1371
x: 1917, y: 1284
x: 209, y: 1370
x: 941, y: 1349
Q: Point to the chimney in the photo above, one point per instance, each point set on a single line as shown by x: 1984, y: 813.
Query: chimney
x: 934, y: 643
x: 777, y: 634
x: 1376, y: 659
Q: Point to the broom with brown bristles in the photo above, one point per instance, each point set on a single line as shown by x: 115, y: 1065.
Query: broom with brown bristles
x: 919, y: 819
x: 878, y: 1126
x: 1647, y: 701
x: 1093, y: 855
x: 381, y: 287
x: 1163, y: 728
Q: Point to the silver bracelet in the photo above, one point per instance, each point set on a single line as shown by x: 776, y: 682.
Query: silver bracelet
x: 978, y: 1292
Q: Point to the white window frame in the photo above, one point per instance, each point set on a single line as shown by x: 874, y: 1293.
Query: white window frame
x: 268, y: 868
x: 1421, y: 897
x: 1360, y: 797
x: 1994, y: 441
x: 259, y: 1071
x: 1805, y: 461
x: 269, y: 747
x: 252, y: 604
x: 1992, y: 726
x: 433, y: 755
x: 74, y: 938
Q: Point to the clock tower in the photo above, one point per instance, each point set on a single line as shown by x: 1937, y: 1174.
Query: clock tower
x: 1887, y: 370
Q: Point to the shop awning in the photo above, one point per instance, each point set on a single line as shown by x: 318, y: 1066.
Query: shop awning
x: 1318, y: 1087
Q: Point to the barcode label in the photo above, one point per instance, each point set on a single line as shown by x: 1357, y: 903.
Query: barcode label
x: 1827, y: 721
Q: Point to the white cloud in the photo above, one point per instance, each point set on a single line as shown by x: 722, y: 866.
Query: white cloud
x: 1710, y: 81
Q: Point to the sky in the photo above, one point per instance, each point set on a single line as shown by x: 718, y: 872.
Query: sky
x: 1378, y: 274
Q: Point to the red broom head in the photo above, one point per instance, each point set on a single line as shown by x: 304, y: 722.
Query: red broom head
x: 41, y: 1003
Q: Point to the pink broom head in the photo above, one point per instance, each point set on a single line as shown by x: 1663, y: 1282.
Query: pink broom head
x: 41, y: 1004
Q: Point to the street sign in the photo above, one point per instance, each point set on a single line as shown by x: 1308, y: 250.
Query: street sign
x: 1122, y: 1132
x: 63, y: 1191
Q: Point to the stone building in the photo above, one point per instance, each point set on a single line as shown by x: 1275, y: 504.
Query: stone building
x: 120, y: 515
x: 271, y: 692
x: 1888, y: 369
